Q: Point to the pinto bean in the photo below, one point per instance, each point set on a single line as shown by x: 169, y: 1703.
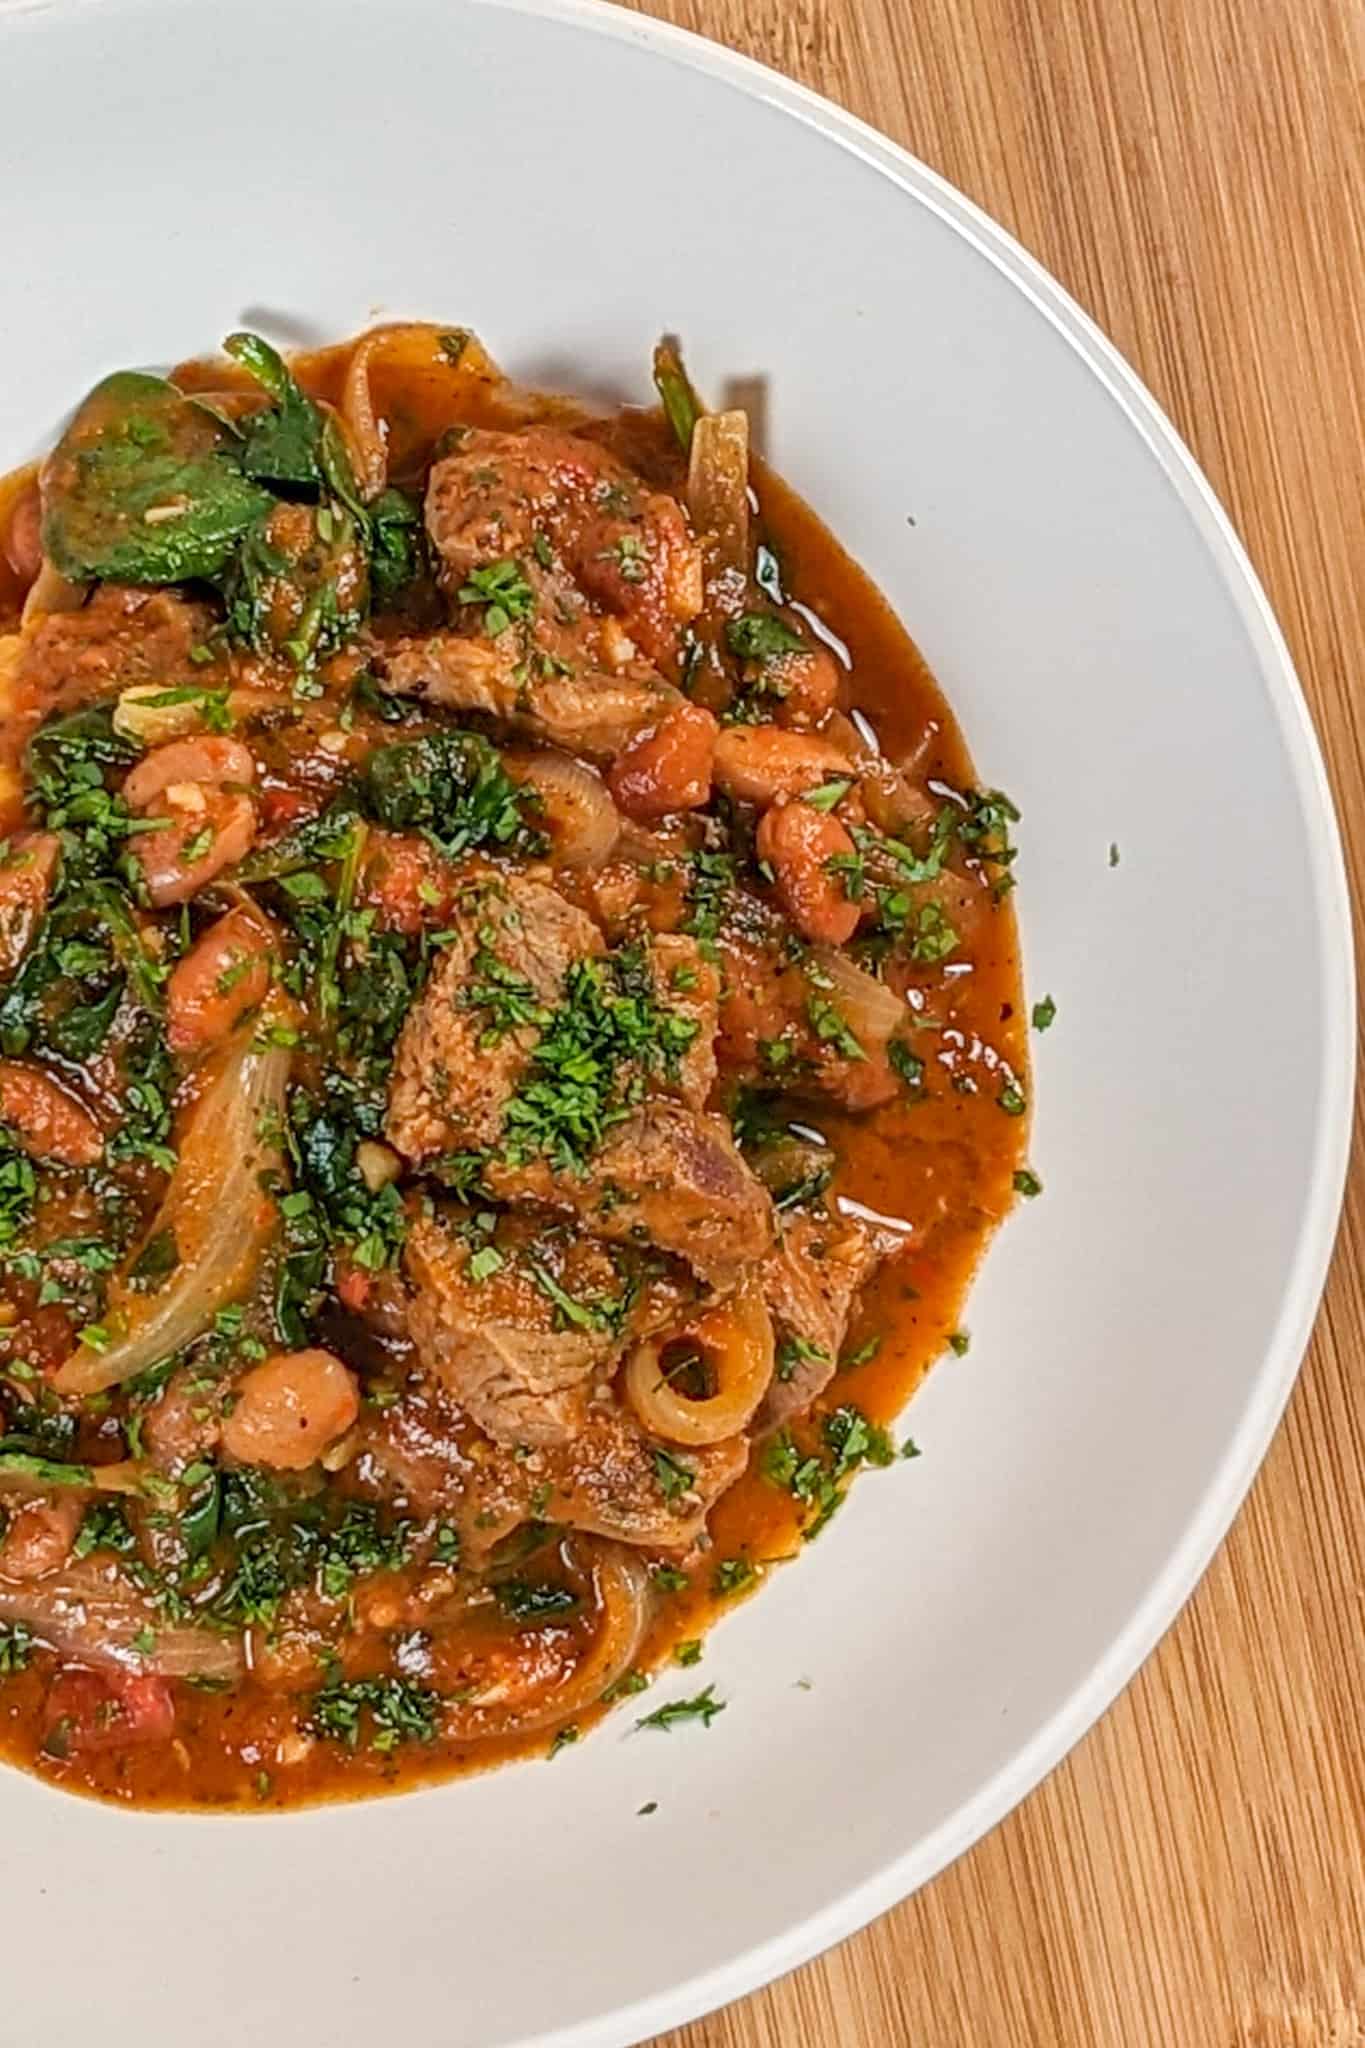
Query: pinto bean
x: 206, y: 759
x: 798, y: 843
x: 668, y: 766
x: 760, y: 763
x: 224, y: 975
x: 289, y: 1409
x: 49, y: 1123
x: 209, y: 824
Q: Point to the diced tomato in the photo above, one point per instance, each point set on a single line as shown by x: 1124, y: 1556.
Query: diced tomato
x: 87, y: 1711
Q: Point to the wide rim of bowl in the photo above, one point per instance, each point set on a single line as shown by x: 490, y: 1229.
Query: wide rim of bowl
x: 1270, y: 1384
x: 1273, y: 1380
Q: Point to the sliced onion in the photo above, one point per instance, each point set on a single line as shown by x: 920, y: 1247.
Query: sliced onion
x: 50, y: 591
x: 215, y: 1212
x: 621, y: 1585
x: 718, y: 487
x: 576, y: 809
x: 138, y: 716
x: 736, y: 1339
x: 90, y: 1612
x: 872, y: 1011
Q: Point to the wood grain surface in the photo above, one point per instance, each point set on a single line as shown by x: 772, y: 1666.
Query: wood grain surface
x: 1194, y: 172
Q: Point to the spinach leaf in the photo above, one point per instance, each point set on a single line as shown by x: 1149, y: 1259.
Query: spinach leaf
x: 395, y: 545
x: 281, y: 444
x: 452, y: 786
x: 145, y: 487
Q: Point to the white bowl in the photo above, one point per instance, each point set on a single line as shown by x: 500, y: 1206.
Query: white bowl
x: 571, y: 180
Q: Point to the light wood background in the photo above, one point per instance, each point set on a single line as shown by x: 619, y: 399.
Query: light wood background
x: 1194, y: 172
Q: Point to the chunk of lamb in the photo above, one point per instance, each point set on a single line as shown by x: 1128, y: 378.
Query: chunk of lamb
x: 495, y: 1341
x: 665, y: 1174
x: 810, y: 1281
x: 425, y: 1457
x: 120, y: 637
x: 577, y: 521
x: 609, y: 1480
x: 449, y: 1088
x: 668, y: 1176
x: 589, y: 711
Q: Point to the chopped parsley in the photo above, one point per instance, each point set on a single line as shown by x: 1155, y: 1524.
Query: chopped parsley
x: 587, y: 1069
x: 703, y: 1708
x: 675, y: 1479
x: 1043, y: 1014
x: 761, y: 636
x: 501, y: 588
x: 391, y: 1710
x: 1027, y: 1183
x: 733, y: 1575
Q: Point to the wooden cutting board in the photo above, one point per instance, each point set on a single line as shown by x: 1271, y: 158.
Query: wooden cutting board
x: 1194, y: 172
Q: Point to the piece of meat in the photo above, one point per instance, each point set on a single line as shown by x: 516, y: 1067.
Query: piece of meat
x: 570, y: 513
x: 690, y: 983
x: 120, y: 637
x: 810, y: 1280
x: 427, y: 1458
x: 40, y: 1534
x: 666, y: 1176
x: 610, y: 1480
x: 525, y: 1340
x: 767, y: 1002
x: 450, y: 1083
x: 587, y: 712
x: 499, y: 1343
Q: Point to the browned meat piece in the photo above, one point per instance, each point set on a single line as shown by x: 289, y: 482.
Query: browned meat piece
x: 810, y: 1280
x: 450, y: 1082
x: 611, y: 1480
x: 122, y: 636
x: 767, y: 1002
x: 576, y: 521
x: 586, y: 712
x: 688, y: 982
x: 39, y: 1535
x: 666, y: 1176
x: 499, y: 1342
x: 426, y: 1458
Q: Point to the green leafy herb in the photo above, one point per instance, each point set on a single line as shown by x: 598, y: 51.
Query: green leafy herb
x: 1027, y: 1183
x: 393, y: 1710
x: 104, y: 1527
x: 687, y: 1653
x: 522, y: 1600
x: 16, y: 1648
x: 831, y: 1027
x: 959, y: 1343
x: 1044, y: 1013
x: 145, y: 487
x: 703, y: 1708
x: 564, y: 1738
x: 680, y: 402
x: 453, y: 787
x: 761, y: 636
x: 675, y: 1479
x: 733, y: 1575
x: 501, y: 588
